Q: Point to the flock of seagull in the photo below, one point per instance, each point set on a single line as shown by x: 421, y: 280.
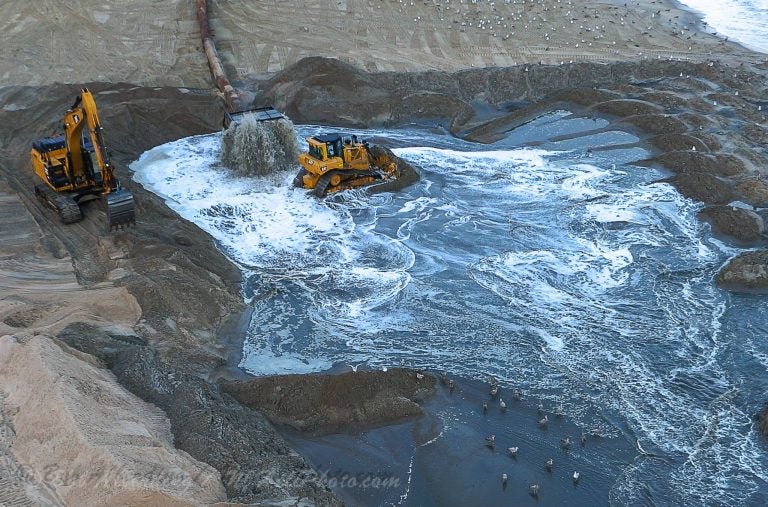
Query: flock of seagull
x: 516, y: 394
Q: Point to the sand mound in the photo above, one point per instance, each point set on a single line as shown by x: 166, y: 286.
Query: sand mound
x: 321, y: 404
x: 88, y: 440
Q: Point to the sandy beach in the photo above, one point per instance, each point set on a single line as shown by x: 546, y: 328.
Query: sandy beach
x: 110, y: 345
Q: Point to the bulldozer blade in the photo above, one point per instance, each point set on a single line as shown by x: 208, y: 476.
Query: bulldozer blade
x: 119, y: 207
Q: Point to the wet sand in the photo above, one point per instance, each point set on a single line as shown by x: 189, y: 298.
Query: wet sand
x: 442, y: 458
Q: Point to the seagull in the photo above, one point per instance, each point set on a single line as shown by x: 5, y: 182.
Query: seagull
x: 485, y: 408
x: 502, y: 405
x: 512, y: 451
x: 534, y: 490
x: 504, y: 480
x: 565, y: 443
x: 576, y: 476
x: 494, y: 390
x: 543, y: 421
x: 489, y: 440
x: 693, y: 148
x: 354, y: 367
x: 451, y: 386
x: 419, y: 375
x: 548, y: 464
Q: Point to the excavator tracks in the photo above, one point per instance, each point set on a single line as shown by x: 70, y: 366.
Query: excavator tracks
x: 64, y: 205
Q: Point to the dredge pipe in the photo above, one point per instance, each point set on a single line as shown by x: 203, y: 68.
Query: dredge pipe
x: 231, y: 97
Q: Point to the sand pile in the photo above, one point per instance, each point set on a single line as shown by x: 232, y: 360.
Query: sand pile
x: 87, y: 439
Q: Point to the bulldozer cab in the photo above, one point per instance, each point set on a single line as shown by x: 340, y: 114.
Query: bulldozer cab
x: 325, y: 146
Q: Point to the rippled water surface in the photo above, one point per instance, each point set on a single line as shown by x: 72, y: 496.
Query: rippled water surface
x: 573, y: 277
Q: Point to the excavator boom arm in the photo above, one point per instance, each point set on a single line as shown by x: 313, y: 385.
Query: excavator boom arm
x: 84, y: 112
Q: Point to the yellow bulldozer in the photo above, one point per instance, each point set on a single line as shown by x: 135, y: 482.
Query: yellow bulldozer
x: 333, y: 163
x: 74, y: 168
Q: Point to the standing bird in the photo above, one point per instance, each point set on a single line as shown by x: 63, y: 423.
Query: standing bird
x: 502, y: 405
x: 485, y: 408
x: 548, y: 464
x: 534, y: 490
x: 444, y: 378
x: 576, y: 476
x: 490, y: 440
x: 543, y: 421
x: 583, y: 439
x: 565, y: 443
x: 504, y: 480
x: 512, y: 451
x: 451, y: 386
x: 494, y: 391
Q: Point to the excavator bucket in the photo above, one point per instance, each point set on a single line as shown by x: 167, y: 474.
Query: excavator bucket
x: 119, y: 207
x: 260, y: 114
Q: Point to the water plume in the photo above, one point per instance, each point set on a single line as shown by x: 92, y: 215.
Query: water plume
x: 259, y: 148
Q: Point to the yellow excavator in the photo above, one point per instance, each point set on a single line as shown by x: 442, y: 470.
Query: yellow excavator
x: 74, y: 168
x: 333, y: 163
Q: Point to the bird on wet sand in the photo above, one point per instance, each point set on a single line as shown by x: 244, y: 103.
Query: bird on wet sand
x: 485, y: 407
x: 512, y: 451
x: 494, y: 391
x: 548, y: 464
x: 565, y: 443
x: 576, y: 476
x: 504, y: 480
x: 583, y: 439
x: 533, y: 489
x: 490, y: 440
x: 502, y: 405
x: 451, y: 386
x: 543, y: 421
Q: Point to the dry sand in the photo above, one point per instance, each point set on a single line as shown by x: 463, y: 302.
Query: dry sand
x: 157, y: 43
x: 63, y: 407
